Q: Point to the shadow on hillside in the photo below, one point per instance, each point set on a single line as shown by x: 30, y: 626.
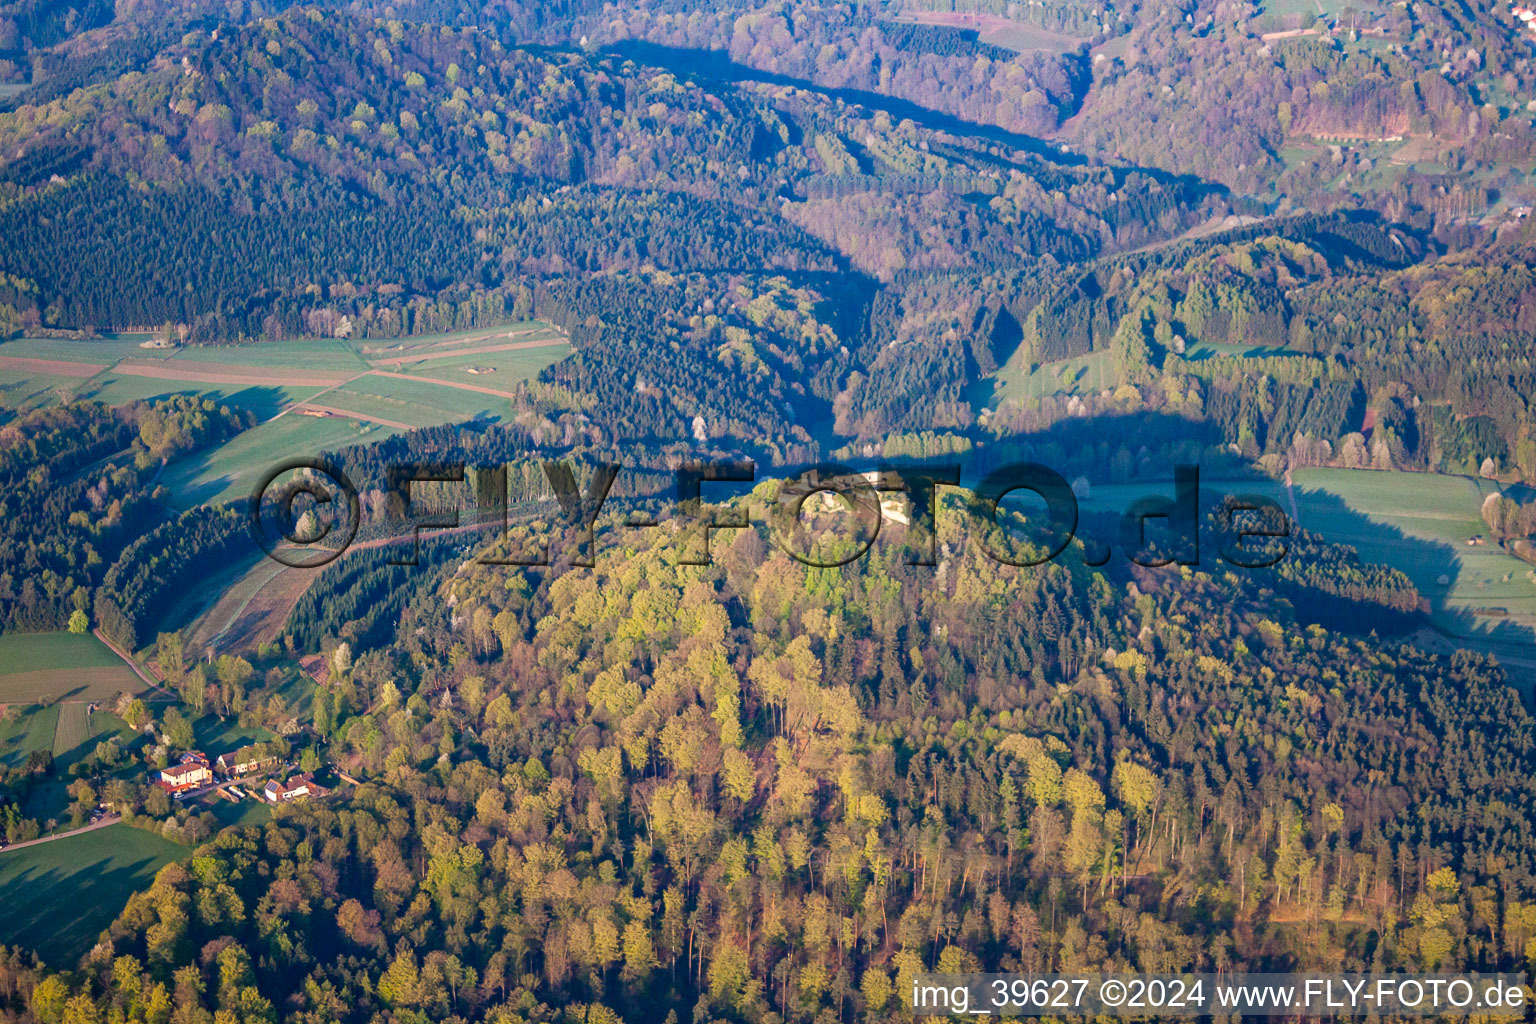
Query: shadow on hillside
x: 187, y: 494
x: 1124, y: 458
x: 716, y: 66
x: 264, y: 400
x: 1436, y: 569
x: 60, y: 913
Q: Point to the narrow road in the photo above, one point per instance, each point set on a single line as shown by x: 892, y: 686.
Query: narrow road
x: 153, y: 683
x: 103, y: 823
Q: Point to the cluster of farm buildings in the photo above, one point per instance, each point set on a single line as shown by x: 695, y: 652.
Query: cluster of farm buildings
x: 193, y: 771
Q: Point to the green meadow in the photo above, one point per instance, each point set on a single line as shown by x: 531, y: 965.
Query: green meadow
x: 60, y: 895
x: 229, y: 472
x: 416, y: 402
x: 1481, y: 597
x: 1018, y: 380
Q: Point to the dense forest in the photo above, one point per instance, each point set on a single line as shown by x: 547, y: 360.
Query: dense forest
x: 78, y: 489
x: 760, y: 788
x: 758, y: 228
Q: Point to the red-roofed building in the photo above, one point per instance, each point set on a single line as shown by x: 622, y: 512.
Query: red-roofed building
x: 278, y: 792
x: 190, y: 772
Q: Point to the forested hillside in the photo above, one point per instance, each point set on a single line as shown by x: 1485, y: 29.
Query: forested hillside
x: 1113, y: 239
x: 79, y: 487
x: 759, y: 788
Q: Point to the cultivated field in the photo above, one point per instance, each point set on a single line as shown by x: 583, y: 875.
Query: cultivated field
x: 384, y: 348
x: 230, y: 472
x: 245, y: 814
x: 252, y: 611
x: 60, y: 666
x: 216, y: 736
x: 321, y: 356
x: 58, y: 896
x: 79, y: 670
x: 73, y: 730
x: 311, y: 395
x: 419, y: 403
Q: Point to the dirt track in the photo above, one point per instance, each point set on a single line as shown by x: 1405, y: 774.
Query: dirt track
x: 103, y: 823
x: 349, y: 414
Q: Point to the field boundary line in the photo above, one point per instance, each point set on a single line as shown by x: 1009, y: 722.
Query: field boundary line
x: 461, y: 385
x: 56, y: 367
x: 511, y: 346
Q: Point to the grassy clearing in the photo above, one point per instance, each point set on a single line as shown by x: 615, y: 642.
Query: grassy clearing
x: 1022, y: 38
x: 252, y: 611
x: 510, y: 367
x: 199, y: 599
x: 1207, y: 349
x: 59, y: 896
x: 25, y: 388
x: 87, y: 730
x: 245, y: 813
x: 28, y: 652
x: 1416, y: 522
x: 1280, y: 8
x: 1080, y: 375
x: 1421, y: 523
